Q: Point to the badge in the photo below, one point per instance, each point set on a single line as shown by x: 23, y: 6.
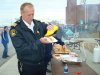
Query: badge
x: 38, y: 32
x: 13, y: 33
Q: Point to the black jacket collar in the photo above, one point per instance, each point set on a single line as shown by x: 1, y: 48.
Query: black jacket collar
x: 24, y: 26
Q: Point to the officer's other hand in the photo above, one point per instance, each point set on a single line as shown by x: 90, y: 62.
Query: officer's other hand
x: 64, y: 47
x: 44, y: 40
x: 50, y: 27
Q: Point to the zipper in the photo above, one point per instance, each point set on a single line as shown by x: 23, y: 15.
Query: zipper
x: 21, y: 67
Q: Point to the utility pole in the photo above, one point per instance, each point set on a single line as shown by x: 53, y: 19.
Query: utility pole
x: 85, y: 7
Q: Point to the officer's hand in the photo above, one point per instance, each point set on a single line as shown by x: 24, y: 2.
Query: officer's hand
x: 64, y: 47
x: 50, y: 27
x: 44, y: 40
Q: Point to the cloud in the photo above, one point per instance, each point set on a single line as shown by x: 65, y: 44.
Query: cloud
x: 44, y: 9
x: 51, y: 15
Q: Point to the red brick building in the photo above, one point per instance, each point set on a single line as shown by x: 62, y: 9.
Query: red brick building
x: 75, y: 13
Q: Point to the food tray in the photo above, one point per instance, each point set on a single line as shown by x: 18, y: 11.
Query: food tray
x: 68, y: 59
x: 71, y: 62
x: 58, y: 52
x: 61, y: 52
x: 58, y: 49
x: 57, y: 56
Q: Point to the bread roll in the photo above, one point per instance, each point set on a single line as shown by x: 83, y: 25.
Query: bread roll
x: 59, y: 49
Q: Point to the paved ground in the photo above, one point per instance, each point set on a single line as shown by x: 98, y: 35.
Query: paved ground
x: 10, y: 67
x: 11, y: 52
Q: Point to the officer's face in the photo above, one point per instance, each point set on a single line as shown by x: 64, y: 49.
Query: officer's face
x: 28, y: 14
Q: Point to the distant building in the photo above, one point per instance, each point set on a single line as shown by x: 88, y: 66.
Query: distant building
x: 71, y: 12
x: 76, y: 13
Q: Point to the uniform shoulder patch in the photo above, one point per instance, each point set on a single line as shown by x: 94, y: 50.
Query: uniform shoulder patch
x: 13, y: 32
x: 14, y: 24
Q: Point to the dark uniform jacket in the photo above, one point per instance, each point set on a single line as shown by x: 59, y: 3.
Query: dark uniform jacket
x: 28, y: 47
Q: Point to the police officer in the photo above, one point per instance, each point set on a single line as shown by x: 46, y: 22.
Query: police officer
x: 27, y: 36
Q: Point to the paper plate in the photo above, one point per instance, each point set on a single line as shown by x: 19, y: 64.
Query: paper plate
x: 51, y: 39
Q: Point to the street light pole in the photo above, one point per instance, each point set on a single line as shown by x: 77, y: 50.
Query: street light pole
x: 85, y: 14
x: 85, y: 7
x: 84, y: 1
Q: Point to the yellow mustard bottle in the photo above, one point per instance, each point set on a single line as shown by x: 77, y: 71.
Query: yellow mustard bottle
x: 51, y: 32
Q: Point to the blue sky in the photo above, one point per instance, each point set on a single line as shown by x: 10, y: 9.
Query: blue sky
x: 45, y: 10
